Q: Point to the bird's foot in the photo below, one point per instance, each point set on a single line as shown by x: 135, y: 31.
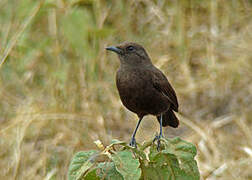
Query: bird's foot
x: 133, y: 142
x: 157, y: 138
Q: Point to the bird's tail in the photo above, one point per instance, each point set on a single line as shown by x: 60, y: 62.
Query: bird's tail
x: 169, y: 119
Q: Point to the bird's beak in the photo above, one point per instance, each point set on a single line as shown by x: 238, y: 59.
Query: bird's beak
x: 115, y: 49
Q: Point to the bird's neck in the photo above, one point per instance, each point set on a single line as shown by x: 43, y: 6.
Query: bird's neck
x: 134, y: 66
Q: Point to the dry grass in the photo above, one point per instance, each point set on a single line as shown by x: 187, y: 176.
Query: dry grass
x: 58, y: 92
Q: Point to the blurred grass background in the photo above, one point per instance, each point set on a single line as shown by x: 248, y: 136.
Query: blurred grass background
x: 58, y: 90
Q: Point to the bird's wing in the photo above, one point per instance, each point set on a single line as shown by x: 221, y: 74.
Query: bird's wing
x: 161, y: 83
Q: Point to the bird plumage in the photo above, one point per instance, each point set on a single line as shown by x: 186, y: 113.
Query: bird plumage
x: 143, y: 88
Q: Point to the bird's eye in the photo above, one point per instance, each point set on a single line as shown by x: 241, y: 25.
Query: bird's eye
x: 130, y: 48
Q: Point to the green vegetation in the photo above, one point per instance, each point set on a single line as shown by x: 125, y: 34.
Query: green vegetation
x: 57, y: 83
x: 175, y: 161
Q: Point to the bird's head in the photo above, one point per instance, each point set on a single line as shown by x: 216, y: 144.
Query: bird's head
x: 131, y: 53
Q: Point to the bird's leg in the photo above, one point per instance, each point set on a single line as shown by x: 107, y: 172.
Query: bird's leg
x: 133, y: 140
x: 157, y: 137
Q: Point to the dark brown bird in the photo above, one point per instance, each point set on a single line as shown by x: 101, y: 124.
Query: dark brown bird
x: 143, y: 88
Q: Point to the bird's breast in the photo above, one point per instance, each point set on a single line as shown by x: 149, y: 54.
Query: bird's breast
x: 138, y: 93
x: 132, y: 83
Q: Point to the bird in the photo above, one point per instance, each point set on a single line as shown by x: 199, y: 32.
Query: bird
x: 143, y: 88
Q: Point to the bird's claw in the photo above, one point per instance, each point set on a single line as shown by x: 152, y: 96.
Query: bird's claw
x: 133, y: 143
x: 157, y: 138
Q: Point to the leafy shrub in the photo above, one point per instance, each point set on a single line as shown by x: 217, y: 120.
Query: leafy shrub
x: 119, y: 161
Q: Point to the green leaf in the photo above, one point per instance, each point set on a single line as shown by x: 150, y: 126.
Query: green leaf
x: 163, y: 166
x: 92, y: 175
x: 126, y: 146
x: 175, y: 162
x: 107, y: 171
x: 185, y: 152
x: 127, y: 165
x: 80, y: 164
